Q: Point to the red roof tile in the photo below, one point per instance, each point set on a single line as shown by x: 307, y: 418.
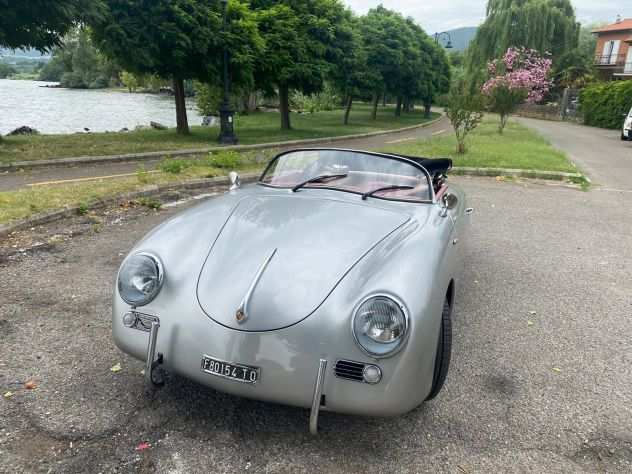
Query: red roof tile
x: 621, y: 26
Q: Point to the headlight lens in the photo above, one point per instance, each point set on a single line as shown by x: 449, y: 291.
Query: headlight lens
x: 140, y: 279
x: 380, y: 326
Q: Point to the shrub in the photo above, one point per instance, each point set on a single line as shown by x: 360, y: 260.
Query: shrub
x: 150, y: 203
x: 603, y: 104
x: 224, y: 159
x: 73, y: 80
x: 465, y: 112
x: 174, y: 166
x: 327, y: 99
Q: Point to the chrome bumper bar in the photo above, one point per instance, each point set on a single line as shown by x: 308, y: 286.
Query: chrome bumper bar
x: 316, y: 400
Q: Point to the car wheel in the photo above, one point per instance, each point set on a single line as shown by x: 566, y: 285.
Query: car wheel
x: 623, y: 137
x: 444, y: 351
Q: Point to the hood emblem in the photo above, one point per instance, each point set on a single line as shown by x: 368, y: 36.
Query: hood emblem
x: 241, y: 315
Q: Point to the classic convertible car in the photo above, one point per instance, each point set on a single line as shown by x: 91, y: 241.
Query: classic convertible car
x: 329, y: 284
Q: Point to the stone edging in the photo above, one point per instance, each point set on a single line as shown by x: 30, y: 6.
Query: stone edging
x: 210, y: 184
x: 155, y: 155
x: 222, y: 183
x: 516, y: 173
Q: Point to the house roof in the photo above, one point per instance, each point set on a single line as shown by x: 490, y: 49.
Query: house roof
x: 621, y: 26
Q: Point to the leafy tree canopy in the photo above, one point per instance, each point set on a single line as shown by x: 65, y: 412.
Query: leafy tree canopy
x: 41, y: 24
x: 302, y: 40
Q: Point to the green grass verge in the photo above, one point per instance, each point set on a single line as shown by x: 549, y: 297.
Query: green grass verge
x: 15, y: 205
x: 261, y: 127
x: 518, y: 148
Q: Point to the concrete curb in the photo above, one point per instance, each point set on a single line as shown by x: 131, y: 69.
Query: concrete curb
x: 155, y: 155
x: 210, y: 184
x: 222, y: 182
x: 516, y: 173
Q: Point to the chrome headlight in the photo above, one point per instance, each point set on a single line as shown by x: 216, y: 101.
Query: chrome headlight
x: 140, y: 279
x: 380, y: 326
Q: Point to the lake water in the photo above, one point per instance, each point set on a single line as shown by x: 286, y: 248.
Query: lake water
x: 52, y: 110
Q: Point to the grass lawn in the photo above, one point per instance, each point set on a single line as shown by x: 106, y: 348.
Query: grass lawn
x: 259, y: 127
x: 28, y: 201
x: 518, y: 148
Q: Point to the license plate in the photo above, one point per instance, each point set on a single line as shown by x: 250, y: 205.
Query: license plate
x: 228, y: 370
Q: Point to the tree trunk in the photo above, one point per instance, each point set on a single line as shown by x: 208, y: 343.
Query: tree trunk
x: 398, y: 109
x: 284, y: 106
x: 503, y: 122
x: 348, y: 109
x: 376, y: 99
x: 181, y: 108
x: 384, y: 100
x: 460, y: 147
x: 427, y: 109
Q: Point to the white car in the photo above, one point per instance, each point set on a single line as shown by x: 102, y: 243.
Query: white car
x: 626, y: 133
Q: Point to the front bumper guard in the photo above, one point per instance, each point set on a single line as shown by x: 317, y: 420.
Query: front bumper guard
x: 154, y: 377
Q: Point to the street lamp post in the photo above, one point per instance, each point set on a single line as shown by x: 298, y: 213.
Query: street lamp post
x: 448, y: 44
x: 226, y: 114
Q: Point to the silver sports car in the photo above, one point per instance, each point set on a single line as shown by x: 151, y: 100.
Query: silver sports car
x: 329, y: 284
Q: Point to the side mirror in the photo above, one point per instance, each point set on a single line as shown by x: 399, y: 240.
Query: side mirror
x: 448, y: 202
x: 235, y: 181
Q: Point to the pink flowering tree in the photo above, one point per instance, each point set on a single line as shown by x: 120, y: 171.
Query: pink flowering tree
x: 520, y: 75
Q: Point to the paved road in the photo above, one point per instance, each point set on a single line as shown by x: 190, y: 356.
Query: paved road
x: 11, y: 181
x: 599, y: 152
x: 541, y: 379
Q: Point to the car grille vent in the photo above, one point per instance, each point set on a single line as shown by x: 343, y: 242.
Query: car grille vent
x: 346, y: 369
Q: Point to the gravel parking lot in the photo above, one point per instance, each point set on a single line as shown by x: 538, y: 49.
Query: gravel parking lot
x: 541, y: 378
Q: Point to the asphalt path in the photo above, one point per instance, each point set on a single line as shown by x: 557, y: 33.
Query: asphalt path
x: 541, y: 375
x: 599, y: 153
x: 12, y: 181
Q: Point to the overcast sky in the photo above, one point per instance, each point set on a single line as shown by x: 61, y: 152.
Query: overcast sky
x: 441, y: 15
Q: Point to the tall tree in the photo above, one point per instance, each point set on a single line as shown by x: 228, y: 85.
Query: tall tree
x: 351, y: 75
x: 41, y: 24
x: 548, y: 26
x: 383, y: 33
x: 299, y: 46
x: 181, y: 39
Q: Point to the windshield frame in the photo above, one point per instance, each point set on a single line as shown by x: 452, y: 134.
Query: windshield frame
x: 387, y: 156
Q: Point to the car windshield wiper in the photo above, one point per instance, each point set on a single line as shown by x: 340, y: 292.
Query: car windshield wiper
x: 317, y: 179
x: 385, y: 188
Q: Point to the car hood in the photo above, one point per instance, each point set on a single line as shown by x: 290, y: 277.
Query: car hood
x: 285, y: 255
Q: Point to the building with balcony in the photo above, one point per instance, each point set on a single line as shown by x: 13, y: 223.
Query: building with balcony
x: 613, y: 56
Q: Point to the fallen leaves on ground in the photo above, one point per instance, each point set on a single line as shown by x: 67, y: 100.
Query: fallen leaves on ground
x: 142, y: 446
x: 557, y: 369
x: 116, y: 368
x: 30, y: 385
x: 8, y: 394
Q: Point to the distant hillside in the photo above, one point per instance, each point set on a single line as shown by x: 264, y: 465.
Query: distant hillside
x: 461, y: 37
x: 22, y: 53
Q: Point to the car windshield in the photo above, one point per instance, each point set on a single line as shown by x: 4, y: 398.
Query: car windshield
x: 377, y: 176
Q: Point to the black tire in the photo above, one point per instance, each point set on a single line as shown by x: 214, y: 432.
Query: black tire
x: 444, y: 351
x: 623, y: 137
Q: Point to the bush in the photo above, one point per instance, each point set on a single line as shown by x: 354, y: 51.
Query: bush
x: 224, y: 159
x: 175, y: 166
x: 101, y: 82
x: 327, y: 99
x: 73, y: 80
x: 603, y: 104
x: 465, y: 112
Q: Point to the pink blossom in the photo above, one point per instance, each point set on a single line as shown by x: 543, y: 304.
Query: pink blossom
x: 520, y: 69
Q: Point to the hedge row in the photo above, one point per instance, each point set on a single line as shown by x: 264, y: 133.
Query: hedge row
x: 603, y: 104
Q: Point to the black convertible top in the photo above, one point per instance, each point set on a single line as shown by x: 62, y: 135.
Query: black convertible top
x: 433, y: 165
